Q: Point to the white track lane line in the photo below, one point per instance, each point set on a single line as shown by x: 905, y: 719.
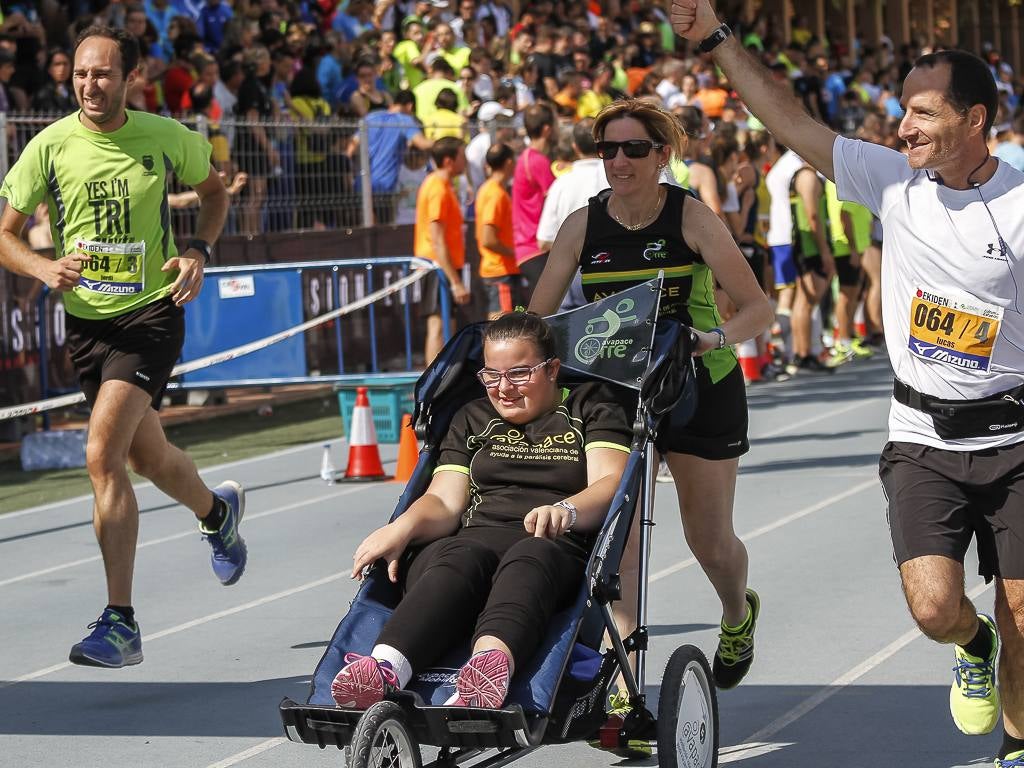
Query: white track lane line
x: 203, y: 471
x: 827, y: 414
x: 836, y: 686
x: 276, y: 742
x: 756, y: 744
x: 184, y: 534
x: 259, y: 749
x: 817, y: 506
x: 197, y: 622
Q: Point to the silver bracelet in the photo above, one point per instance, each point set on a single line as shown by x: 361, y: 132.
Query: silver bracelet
x: 568, y: 505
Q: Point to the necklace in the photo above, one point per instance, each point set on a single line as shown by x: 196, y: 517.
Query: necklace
x: 644, y: 222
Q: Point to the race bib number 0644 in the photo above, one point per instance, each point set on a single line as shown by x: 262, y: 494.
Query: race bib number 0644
x: 956, y: 332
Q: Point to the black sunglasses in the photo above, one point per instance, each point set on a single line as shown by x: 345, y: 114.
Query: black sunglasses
x: 634, y: 148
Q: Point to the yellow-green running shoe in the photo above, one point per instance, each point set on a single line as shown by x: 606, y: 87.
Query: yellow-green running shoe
x: 1012, y: 760
x: 973, y: 697
x: 860, y: 349
x: 618, y: 704
x: 618, y: 708
x: 735, y: 651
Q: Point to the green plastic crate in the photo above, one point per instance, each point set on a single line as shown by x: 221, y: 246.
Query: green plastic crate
x: 389, y: 399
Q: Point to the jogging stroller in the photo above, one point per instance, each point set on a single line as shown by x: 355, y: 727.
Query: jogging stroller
x: 560, y: 696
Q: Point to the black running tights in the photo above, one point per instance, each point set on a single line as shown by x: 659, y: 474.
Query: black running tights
x: 483, y: 580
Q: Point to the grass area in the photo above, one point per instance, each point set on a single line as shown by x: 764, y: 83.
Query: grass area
x: 213, y: 441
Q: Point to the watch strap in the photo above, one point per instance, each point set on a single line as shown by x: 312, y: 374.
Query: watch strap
x: 715, y: 39
x: 200, y: 245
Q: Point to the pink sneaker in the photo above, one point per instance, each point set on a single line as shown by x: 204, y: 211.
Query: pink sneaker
x: 362, y: 682
x: 482, y: 681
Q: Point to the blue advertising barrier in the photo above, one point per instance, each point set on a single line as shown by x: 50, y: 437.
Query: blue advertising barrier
x: 240, y: 304
x: 374, y: 298
x: 234, y: 309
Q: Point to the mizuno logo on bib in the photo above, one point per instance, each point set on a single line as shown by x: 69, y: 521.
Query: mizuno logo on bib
x: 113, y: 269
x: 960, y: 332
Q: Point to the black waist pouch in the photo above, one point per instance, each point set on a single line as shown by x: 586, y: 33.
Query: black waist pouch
x: 998, y: 414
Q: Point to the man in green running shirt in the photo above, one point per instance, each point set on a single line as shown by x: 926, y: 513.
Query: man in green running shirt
x: 103, y: 172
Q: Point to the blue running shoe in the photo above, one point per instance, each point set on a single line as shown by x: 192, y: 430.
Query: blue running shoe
x: 229, y: 552
x: 113, y: 643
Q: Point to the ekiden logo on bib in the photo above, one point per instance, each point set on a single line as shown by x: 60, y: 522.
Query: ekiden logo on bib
x: 953, y: 330
x: 113, y: 269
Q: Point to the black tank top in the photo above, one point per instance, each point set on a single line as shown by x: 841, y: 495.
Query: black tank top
x: 614, y: 259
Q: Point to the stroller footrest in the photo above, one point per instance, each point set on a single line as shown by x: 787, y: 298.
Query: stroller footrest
x: 322, y: 726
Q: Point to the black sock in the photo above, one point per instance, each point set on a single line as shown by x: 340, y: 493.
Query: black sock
x: 1011, y: 744
x: 213, y: 521
x: 981, y: 646
x: 127, y: 613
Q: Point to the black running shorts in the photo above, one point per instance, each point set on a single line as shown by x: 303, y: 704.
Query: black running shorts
x: 504, y: 294
x: 811, y: 265
x: 849, y: 275
x: 140, y: 347
x: 430, y: 301
x: 718, y: 430
x: 939, y: 500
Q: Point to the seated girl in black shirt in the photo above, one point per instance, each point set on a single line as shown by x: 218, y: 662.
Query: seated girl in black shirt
x: 524, y: 479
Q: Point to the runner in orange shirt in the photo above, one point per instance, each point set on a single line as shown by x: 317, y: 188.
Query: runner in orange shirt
x: 438, y: 236
x: 494, y: 237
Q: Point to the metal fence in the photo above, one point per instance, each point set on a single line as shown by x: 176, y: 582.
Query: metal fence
x: 301, y: 174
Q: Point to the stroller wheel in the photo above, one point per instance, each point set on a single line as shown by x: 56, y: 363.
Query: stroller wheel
x: 382, y: 740
x: 687, y: 712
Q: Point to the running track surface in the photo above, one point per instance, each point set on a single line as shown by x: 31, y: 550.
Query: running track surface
x: 841, y: 678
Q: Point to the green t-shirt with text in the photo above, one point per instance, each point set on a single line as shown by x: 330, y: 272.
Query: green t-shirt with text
x: 107, y: 196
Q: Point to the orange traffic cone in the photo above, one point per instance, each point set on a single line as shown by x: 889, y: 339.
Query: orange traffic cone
x: 750, y: 361
x: 860, y: 327
x: 363, y: 454
x: 408, y: 451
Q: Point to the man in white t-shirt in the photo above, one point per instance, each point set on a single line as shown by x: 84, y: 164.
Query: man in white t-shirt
x: 569, y: 193
x: 780, y: 240
x: 953, y: 469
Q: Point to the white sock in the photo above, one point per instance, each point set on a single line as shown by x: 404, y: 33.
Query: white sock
x: 398, y: 662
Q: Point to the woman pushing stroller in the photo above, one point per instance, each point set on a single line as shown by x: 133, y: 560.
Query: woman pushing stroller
x: 524, y: 479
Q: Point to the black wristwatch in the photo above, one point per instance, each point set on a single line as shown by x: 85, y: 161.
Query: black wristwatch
x: 715, y: 39
x: 200, y: 245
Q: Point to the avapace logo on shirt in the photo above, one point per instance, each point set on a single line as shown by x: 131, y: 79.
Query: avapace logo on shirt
x: 601, y: 258
x: 568, y: 438
x: 513, y: 436
x: 655, y: 251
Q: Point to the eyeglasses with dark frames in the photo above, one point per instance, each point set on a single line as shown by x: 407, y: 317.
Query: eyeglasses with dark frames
x: 633, y: 148
x: 517, y: 376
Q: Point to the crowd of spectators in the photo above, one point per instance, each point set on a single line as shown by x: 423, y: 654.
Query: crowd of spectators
x: 283, y: 84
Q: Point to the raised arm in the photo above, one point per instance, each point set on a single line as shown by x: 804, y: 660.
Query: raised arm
x: 772, y: 102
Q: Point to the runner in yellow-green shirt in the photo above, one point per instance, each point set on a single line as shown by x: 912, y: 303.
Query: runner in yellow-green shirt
x: 102, y: 173
x: 850, y: 232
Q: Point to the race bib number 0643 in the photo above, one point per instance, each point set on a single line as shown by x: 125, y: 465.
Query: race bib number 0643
x: 956, y: 332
